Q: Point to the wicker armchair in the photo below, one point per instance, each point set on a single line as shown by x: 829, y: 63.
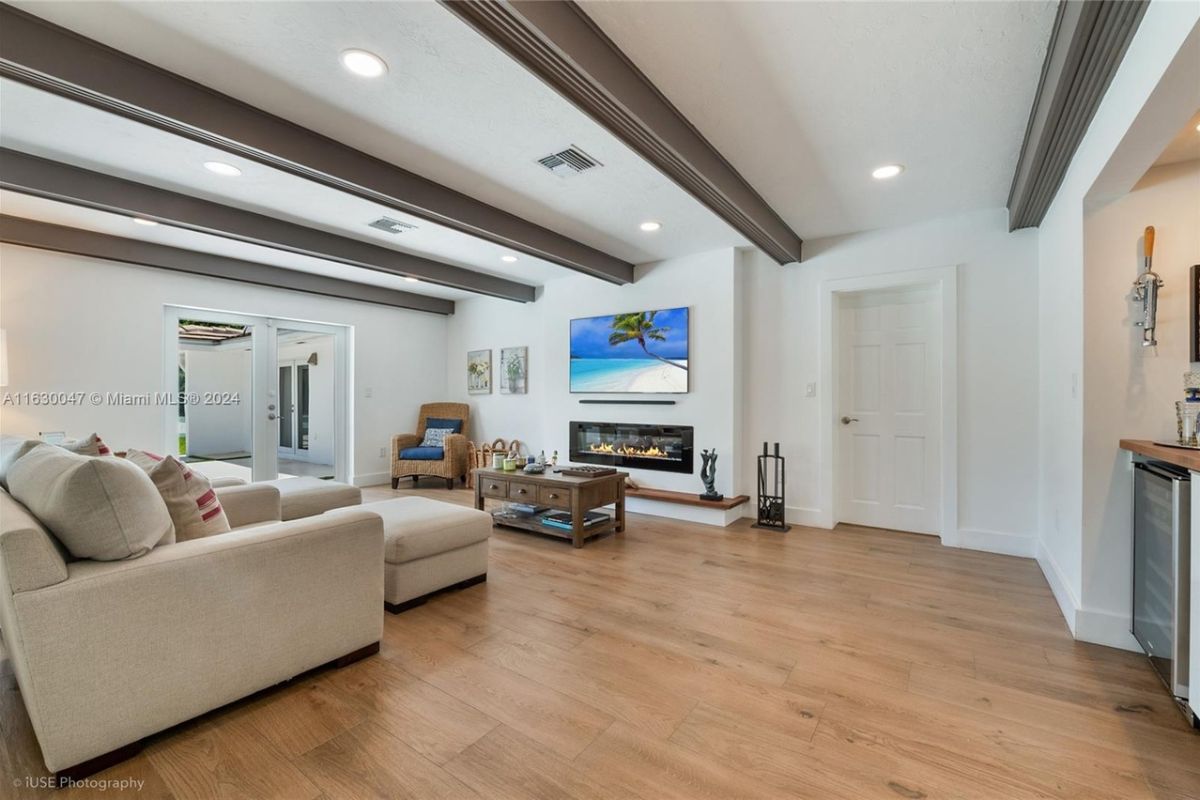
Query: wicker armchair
x: 452, y: 465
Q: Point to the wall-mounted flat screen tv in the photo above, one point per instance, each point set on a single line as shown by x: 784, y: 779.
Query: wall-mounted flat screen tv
x: 641, y: 352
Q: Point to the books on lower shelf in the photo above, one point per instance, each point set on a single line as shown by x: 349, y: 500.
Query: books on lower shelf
x: 562, y: 519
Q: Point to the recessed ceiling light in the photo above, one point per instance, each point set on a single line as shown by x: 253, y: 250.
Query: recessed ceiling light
x: 144, y: 221
x: 887, y: 171
x: 411, y: 279
x: 221, y: 168
x: 508, y: 259
x: 650, y: 226
x: 364, y: 64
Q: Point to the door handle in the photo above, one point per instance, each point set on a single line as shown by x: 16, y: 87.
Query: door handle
x: 848, y: 420
x: 270, y: 416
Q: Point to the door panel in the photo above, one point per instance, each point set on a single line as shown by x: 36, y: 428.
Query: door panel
x: 889, y: 353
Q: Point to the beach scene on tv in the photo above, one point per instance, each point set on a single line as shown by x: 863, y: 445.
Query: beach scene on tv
x: 642, y: 352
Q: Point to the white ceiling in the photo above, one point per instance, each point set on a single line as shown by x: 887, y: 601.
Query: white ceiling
x: 452, y: 108
x: 806, y: 98
x: 57, y: 213
x: 44, y: 124
x: 803, y: 98
x: 1185, y: 146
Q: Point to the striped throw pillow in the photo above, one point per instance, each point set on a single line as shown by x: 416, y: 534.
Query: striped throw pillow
x: 91, y: 446
x: 189, y: 496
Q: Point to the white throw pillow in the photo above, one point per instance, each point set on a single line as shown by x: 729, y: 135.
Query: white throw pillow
x: 435, y: 437
x: 104, y: 509
x: 12, y: 448
x: 195, y: 510
x: 91, y: 446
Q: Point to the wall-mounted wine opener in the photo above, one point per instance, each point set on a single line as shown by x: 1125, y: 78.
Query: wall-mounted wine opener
x: 1145, y: 291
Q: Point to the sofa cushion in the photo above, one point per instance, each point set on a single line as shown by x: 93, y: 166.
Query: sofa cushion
x: 452, y: 425
x: 194, y: 507
x: 91, y: 446
x: 417, y: 527
x: 12, y: 448
x: 105, y: 509
x: 423, y: 453
x: 307, y: 497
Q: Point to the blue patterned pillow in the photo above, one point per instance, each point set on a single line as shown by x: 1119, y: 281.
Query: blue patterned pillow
x: 435, y: 437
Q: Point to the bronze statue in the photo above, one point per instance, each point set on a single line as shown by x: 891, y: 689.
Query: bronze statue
x: 708, y: 474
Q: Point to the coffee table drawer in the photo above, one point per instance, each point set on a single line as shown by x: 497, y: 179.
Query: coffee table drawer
x: 555, y: 497
x: 520, y: 492
x: 493, y: 487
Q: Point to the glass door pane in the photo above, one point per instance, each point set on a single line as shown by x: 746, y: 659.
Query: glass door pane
x: 302, y: 406
x: 286, y: 408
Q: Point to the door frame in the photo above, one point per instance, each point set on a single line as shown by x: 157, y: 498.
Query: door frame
x: 265, y: 433
x: 945, y: 281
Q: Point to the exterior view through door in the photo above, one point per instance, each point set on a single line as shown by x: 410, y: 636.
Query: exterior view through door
x: 267, y: 397
x: 889, y: 405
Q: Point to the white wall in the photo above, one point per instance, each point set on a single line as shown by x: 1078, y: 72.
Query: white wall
x: 706, y: 283
x: 1130, y: 389
x: 1160, y: 61
x: 217, y: 429
x: 997, y: 378
x: 82, y: 324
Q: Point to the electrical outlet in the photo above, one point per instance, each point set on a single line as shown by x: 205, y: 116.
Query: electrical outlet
x: 368, y: 391
x: 383, y: 452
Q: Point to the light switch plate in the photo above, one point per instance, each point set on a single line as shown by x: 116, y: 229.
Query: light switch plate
x: 810, y: 390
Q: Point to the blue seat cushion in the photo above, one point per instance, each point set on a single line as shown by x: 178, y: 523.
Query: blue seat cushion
x: 454, y: 425
x: 423, y: 453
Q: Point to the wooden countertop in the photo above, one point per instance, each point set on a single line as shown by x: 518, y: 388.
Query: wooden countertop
x: 1188, y: 459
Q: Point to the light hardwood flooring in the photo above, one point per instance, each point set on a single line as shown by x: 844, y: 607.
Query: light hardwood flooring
x: 682, y: 661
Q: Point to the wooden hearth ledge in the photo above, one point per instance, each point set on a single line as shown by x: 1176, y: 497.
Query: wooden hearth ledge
x: 686, y: 498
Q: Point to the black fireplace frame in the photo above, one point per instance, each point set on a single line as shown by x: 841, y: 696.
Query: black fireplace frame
x: 685, y: 464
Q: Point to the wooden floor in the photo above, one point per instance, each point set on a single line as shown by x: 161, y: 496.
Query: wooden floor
x: 681, y: 661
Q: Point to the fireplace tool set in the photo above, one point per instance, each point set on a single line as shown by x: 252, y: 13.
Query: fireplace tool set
x: 771, y: 505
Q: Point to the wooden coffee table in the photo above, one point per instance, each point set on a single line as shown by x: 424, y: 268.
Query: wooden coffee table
x: 577, y: 495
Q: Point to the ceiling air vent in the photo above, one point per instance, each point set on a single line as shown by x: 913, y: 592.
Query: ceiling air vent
x: 389, y: 225
x: 571, y: 161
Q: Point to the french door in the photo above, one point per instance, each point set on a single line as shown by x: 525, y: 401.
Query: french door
x: 243, y: 406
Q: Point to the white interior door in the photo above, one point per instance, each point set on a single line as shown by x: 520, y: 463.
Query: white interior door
x: 889, y: 415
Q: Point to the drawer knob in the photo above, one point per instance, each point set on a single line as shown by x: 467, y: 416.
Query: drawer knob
x: 553, y: 496
x: 493, y: 486
x: 522, y: 491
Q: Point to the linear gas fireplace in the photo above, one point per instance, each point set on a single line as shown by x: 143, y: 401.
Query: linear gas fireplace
x: 619, y: 444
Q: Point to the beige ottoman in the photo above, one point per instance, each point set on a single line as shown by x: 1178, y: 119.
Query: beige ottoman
x: 430, y: 547
x: 307, y: 497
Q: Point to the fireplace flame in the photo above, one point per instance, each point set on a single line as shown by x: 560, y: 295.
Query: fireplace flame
x: 628, y: 450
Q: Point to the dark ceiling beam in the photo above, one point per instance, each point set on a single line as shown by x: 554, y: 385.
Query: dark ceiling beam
x: 61, y: 239
x: 38, y: 53
x: 560, y: 44
x: 21, y: 172
x: 1087, y: 43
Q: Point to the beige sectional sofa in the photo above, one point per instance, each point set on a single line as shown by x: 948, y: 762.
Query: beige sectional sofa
x: 109, y: 652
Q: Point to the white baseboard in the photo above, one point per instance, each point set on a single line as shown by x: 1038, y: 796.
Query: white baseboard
x: 1104, y: 627
x: 1067, y: 602
x: 372, y: 479
x: 795, y: 515
x: 1007, y: 544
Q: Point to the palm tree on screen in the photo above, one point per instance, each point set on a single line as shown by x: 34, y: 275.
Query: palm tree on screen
x: 639, y: 327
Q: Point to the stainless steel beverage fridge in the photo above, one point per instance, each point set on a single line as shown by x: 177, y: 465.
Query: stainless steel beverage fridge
x: 1161, y: 570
